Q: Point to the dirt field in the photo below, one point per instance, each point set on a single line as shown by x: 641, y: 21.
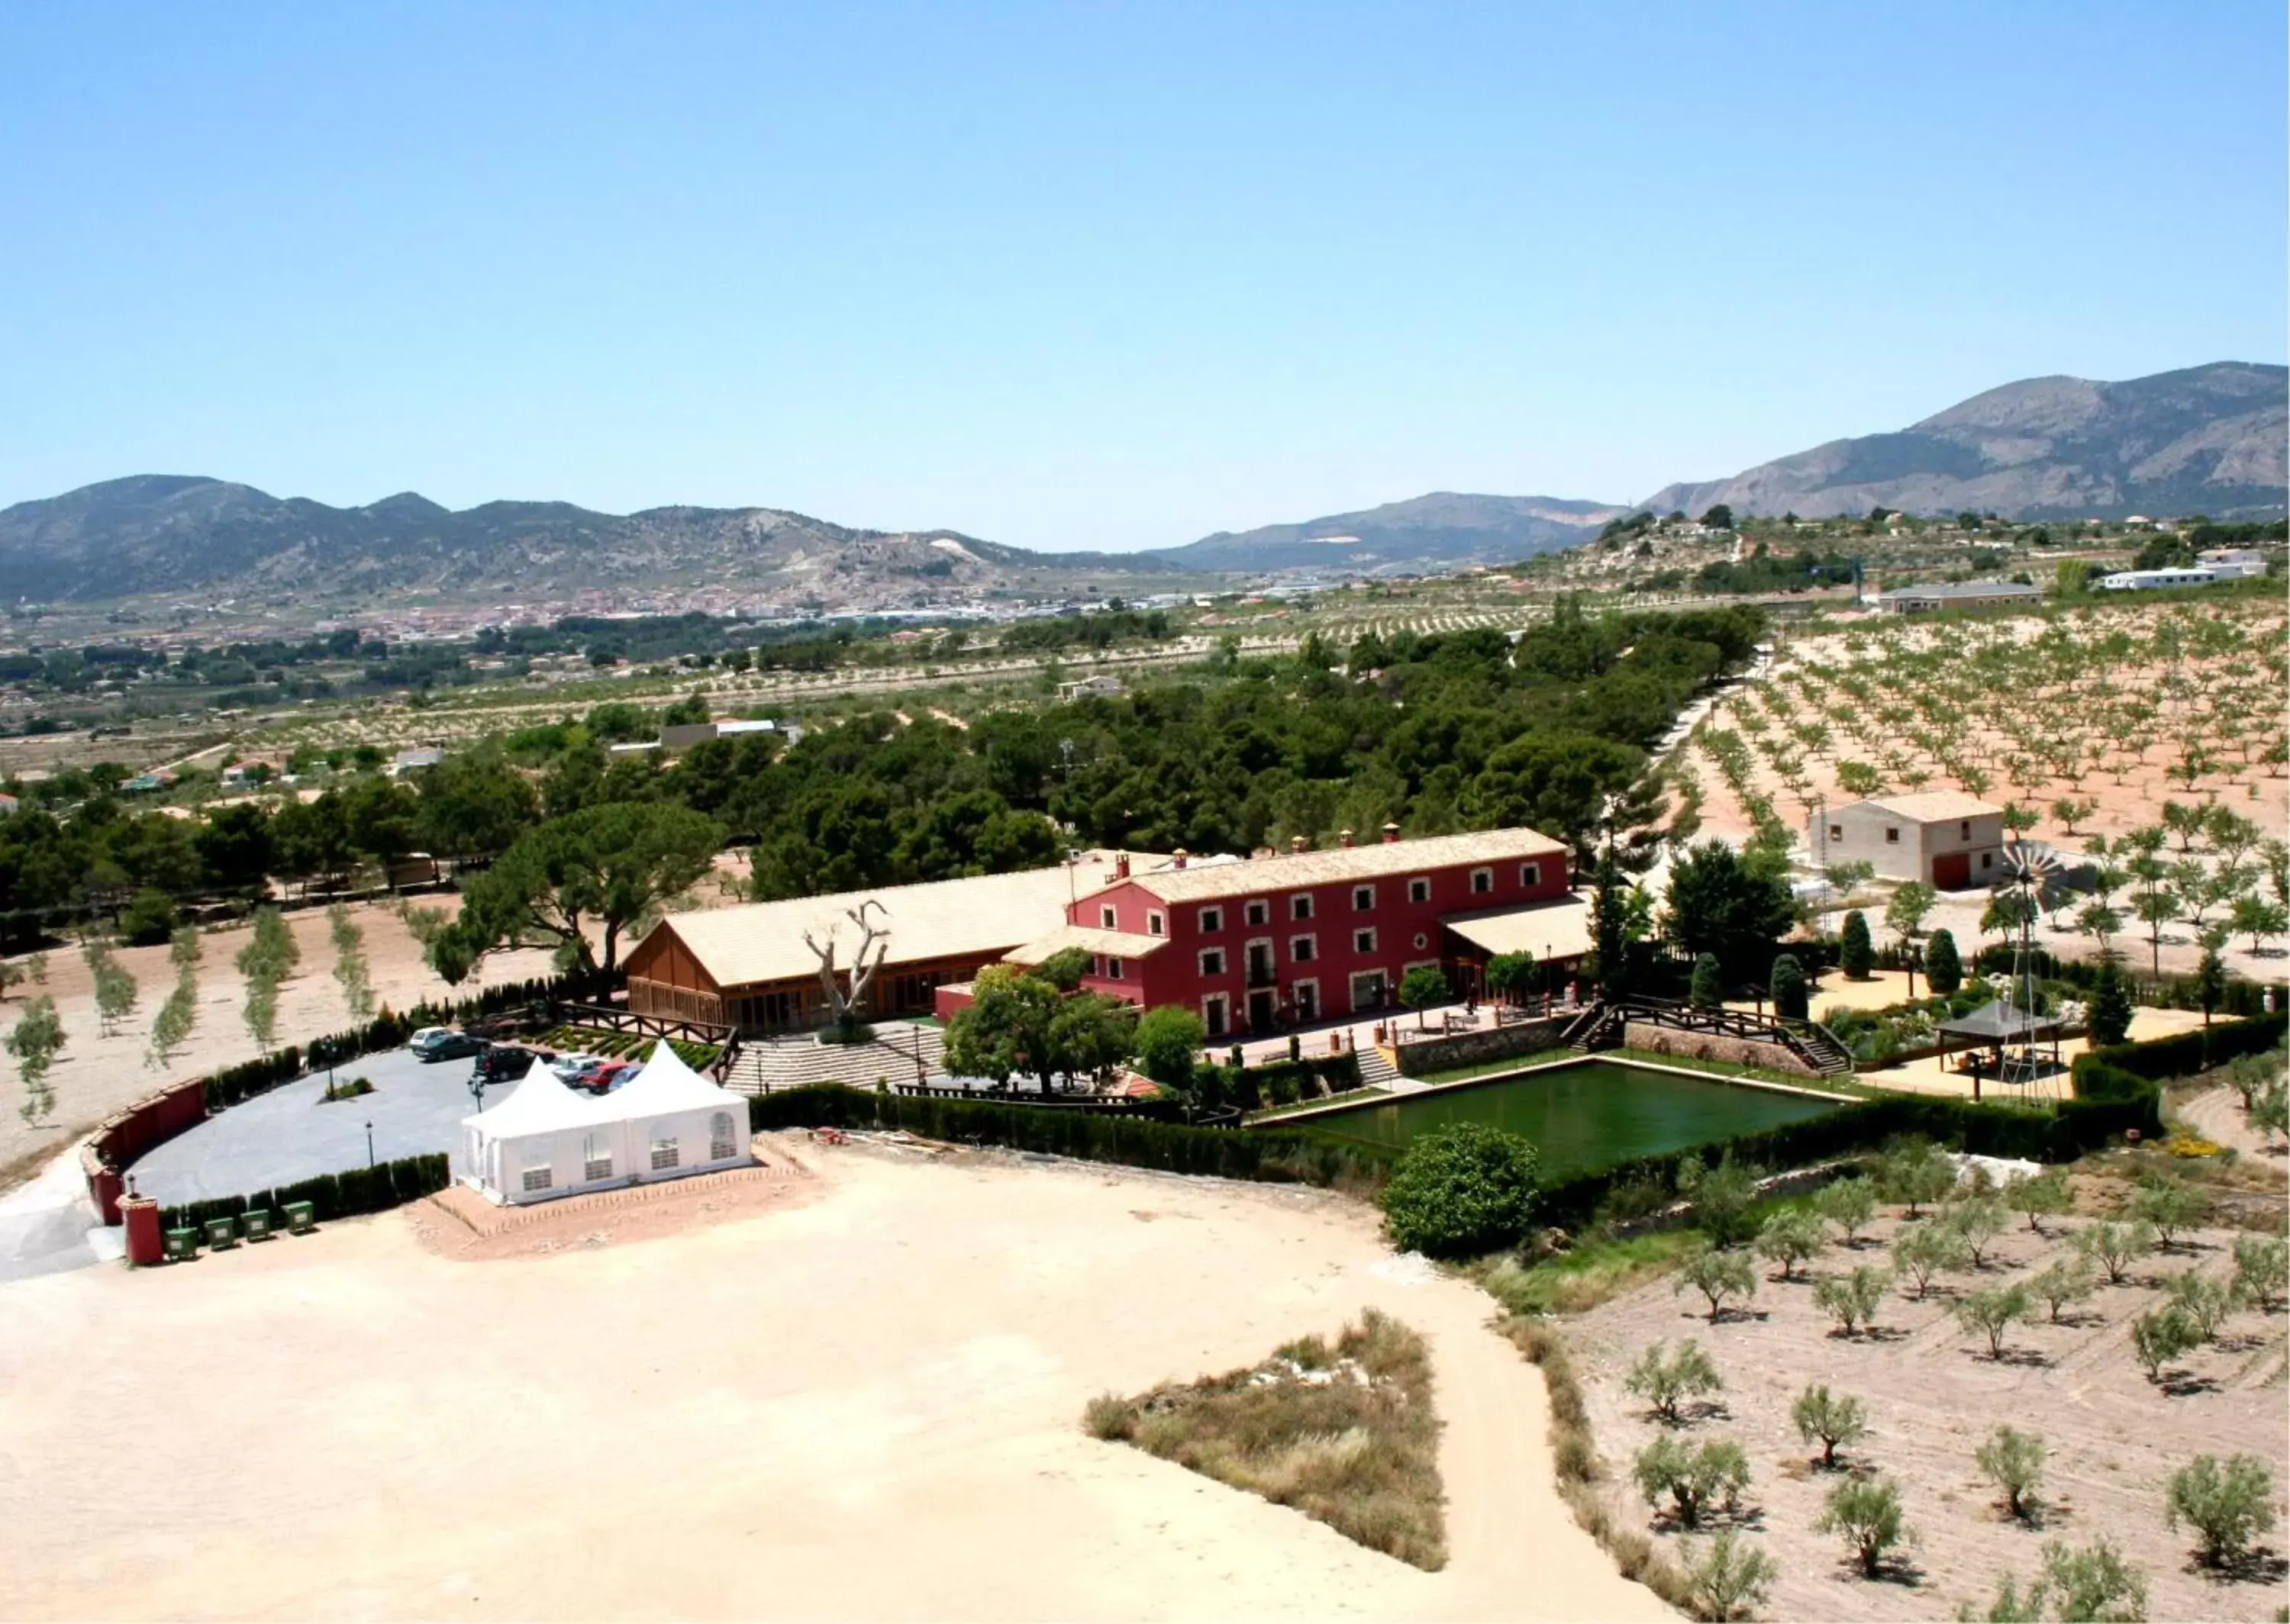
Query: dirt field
x: 1933, y: 1397
x: 862, y: 1406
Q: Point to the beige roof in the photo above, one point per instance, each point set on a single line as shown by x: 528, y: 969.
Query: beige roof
x: 1292, y: 870
x: 986, y: 914
x: 1932, y: 806
x: 1547, y: 930
x: 1113, y: 944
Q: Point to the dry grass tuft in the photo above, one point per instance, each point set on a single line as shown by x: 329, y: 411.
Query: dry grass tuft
x: 1346, y: 1434
x: 1575, y: 1454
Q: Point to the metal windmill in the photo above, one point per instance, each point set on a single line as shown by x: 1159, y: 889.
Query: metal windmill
x: 2035, y: 875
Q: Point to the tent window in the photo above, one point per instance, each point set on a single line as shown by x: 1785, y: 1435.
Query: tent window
x: 595, y: 1159
x: 537, y: 1178
x: 663, y: 1153
x: 720, y: 1144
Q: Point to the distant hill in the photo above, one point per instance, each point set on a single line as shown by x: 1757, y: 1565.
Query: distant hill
x: 184, y: 536
x: 2210, y: 439
x: 1443, y: 528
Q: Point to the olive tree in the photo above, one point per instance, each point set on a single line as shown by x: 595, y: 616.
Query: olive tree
x: 2227, y: 1505
x: 1693, y: 1478
x: 1837, y: 1419
x: 1849, y: 1204
x: 2014, y: 1461
x: 1992, y: 1313
x: 1852, y: 1299
x: 1718, y: 1273
x: 1867, y: 1511
x: 1791, y: 1237
x: 1728, y: 1579
x: 1665, y: 1382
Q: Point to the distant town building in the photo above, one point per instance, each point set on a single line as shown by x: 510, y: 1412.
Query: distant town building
x: 1948, y: 839
x: 2231, y: 562
x: 1956, y: 595
x: 683, y: 735
x: 414, y: 761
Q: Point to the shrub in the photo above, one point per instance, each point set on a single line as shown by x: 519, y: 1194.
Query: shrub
x: 2092, y: 1586
x: 1924, y: 1252
x: 2205, y: 1301
x: 2161, y: 1335
x: 1463, y: 1188
x: 2061, y: 1283
x: 1916, y: 1175
x: 1789, y: 1237
x: 1943, y: 965
x: 1716, y: 1274
x: 1664, y: 1383
x: 1856, y: 955
x: 1722, y: 1196
x: 1993, y: 1314
x: 2227, y: 1506
x: 1852, y: 1299
x: 1849, y: 1204
x: 1110, y: 1418
x: 2044, y: 1196
x: 2262, y: 1271
x: 1976, y: 1222
x: 1867, y: 1511
x: 2014, y: 1461
x: 1729, y: 1579
x: 2114, y: 1247
x: 1693, y: 1477
x: 2168, y: 1206
x: 1837, y: 1420
x: 1788, y: 990
x: 1705, y: 989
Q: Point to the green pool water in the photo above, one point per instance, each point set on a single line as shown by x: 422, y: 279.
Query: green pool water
x: 1584, y: 1116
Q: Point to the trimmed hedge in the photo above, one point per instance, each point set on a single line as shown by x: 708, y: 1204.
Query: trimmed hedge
x: 1281, y: 1081
x: 2171, y: 992
x: 1128, y: 1140
x: 2183, y: 1055
x: 331, y: 1195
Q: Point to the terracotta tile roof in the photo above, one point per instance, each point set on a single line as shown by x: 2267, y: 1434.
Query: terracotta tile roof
x: 1932, y: 806
x: 1114, y: 944
x: 1338, y: 865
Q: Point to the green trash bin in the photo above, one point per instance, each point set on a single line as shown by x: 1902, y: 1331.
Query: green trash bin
x: 255, y: 1226
x: 301, y: 1218
x: 222, y: 1234
x: 182, y: 1243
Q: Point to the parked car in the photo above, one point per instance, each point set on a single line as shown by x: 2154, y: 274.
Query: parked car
x: 504, y: 1062
x: 612, y: 1074
x: 433, y: 1043
x: 572, y: 1063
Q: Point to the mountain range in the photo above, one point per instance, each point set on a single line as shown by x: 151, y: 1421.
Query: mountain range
x: 2209, y: 439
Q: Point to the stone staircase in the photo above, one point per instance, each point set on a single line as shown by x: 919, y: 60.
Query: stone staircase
x: 768, y: 1065
x: 1377, y: 1071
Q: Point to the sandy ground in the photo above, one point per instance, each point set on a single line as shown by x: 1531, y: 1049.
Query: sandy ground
x: 1933, y: 1396
x: 2216, y: 1114
x: 863, y: 1406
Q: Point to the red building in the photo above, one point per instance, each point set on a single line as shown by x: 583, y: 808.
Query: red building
x: 1288, y: 940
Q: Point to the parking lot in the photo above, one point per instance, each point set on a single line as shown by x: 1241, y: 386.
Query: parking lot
x: 295, y: 1132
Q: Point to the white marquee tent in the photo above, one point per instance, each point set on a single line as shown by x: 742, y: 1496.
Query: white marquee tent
x: 546, y: 1140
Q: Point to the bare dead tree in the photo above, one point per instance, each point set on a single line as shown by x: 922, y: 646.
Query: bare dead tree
x: 872, y: 938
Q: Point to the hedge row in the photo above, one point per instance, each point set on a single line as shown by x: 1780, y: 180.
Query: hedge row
x: 1129, y: 1140
x: 2183, y: 1055
x: 2170, y: 992
x: 1284, y: 1082
x: 331, y: 1195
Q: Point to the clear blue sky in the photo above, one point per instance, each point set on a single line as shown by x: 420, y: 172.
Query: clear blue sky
x: 1081, y: 275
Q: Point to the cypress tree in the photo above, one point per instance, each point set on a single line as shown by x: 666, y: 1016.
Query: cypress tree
x: 1943, y: 968
x: 1789, y: 994
x: 1707, y: 989
x: 2110, y: 1006
x: 1856, y: 955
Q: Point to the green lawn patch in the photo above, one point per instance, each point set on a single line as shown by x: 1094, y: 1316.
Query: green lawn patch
x: 1346, y: 1434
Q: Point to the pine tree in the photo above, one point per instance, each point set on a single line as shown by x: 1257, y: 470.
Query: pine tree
x: 1707, y: 989
x: 1788, y: 992
x: 2110, y: 1006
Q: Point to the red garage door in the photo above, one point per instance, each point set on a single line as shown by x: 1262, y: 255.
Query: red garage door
x: 1952, y: 871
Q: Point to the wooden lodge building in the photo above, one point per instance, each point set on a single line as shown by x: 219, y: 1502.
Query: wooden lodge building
x: 1253, y: 945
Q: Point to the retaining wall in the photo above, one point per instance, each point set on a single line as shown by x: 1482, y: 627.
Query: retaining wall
x: 1714, y: 1046
x: 119, y: 1140
x: 1417, y: 1053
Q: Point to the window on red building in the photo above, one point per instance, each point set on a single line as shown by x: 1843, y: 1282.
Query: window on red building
x: 1257, y: 912
x: 1107, y: 917
x: 1211, y: 921
x: 1303, y: 949
x: 1483, y: 882
x: 1299, y: 905
x: 1363, y: 942
x: 1153, y: 924
x: 1212, y: 961
x: 1419, y: 890
x: 1363, y: 899
x: 1530, y: 875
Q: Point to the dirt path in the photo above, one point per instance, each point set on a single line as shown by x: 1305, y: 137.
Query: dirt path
x: 862, y: 1406
x: 2216, y: 1114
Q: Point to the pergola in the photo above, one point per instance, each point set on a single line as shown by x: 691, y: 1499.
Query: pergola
x: 1997, y: 1026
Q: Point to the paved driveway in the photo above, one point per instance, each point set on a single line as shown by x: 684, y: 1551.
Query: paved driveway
x: 292, y: 1132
